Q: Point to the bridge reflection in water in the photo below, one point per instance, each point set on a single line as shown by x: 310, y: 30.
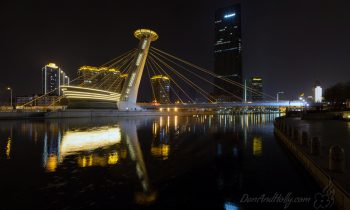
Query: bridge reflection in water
x: 139, y: 156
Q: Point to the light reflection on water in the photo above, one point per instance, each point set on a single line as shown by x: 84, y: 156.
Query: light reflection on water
x: 111, y: 143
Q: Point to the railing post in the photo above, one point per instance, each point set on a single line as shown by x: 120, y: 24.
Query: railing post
x: 336, y: 159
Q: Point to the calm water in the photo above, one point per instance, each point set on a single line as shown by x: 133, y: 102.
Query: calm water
x: 175, y: 162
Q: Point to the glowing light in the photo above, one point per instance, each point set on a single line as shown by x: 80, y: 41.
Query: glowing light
x: 230, y: 15
x: 175, y: 109
x: 159, y: 77
x: 93, y: 68
x: 257, y: 78
x: 51, y: 165
x: 52, y: 65
x: 161, y: 151
x: 8, y: 148
x: 74, y: 92
x: 77, y: 141
x: 230, y: 206
x: 141, y: 33
x: 257, y: 146
x: 113, y: 158
x: 175, y: 121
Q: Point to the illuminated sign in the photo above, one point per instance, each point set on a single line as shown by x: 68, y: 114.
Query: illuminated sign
x: 230, y: 15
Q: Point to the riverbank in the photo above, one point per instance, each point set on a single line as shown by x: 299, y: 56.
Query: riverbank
x: 90, y: 113
x: 319, y: 146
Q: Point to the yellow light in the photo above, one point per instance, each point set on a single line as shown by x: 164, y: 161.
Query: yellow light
x: 8, y: 148
x: 52, y: 65
x: 51, y: 163
x: 257, y: 146
x: 161, y: 151
x: 140, y: 33
x: 113, y: 158
x: 8, y: 88
x: 160, y: 109
x: 175, y: 109
x: 257, y: 78
x: 77, y: 141
x: 168, y: 109
x: 159, y: 77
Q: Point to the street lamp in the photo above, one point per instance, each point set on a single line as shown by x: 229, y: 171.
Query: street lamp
x: 10, y: 89
x: 278, y: 94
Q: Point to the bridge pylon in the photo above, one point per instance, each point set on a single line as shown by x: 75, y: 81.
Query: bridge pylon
x: 131, y: 86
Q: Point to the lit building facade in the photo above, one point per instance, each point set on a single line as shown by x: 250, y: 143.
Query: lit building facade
x: 102, y: 78
x: 161, y: 88
x: 228, y: 52
x: 52, y: 79
x: 256, y: 91
x: 317, y: 90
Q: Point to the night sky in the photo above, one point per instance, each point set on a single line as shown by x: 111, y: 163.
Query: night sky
x: 289, y: 43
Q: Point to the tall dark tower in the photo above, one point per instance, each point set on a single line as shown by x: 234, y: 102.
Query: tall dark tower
x: 228, y: 52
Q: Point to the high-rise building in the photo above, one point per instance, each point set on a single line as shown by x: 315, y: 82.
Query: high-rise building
x: 100, y: 78
x: 256, y: 88
x: 228, y: 52
x: 161, y: 88
x: 52, y: 79
x: 317, y: 90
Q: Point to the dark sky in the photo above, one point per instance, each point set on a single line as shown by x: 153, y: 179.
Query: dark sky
x: 289, y: 43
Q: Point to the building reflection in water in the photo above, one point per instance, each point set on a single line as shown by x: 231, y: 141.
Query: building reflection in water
x: 8, y: 148
x: 160, y: 147
x: 109, y: 145
x: 257, y: 146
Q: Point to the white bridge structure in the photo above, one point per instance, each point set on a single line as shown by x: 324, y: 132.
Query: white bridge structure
x: 126, y: 98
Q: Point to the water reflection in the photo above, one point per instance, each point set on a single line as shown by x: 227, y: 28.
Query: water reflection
x: 8, y: 148
x: 87, y: 145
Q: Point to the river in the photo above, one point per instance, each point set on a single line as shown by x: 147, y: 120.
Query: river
x: 166, y: 162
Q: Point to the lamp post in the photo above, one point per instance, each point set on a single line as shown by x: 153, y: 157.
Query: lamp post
x: 10, y: 89
x: 278, y: 95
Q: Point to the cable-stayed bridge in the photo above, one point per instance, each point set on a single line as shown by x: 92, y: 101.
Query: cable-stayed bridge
x: 116, y: 84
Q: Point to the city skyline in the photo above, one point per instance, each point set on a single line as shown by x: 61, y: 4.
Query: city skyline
x: 269, y: 50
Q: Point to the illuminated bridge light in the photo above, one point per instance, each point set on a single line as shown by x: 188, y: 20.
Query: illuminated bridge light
x: 230, y: 15
x: 74, y: 92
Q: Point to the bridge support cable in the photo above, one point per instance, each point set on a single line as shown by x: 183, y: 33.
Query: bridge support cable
x: 119, y: 81
x: 152, y: 60
x: 127, y: 58
x: 160, y: 85
x: 113, y: 61
x: 201, y: 91
x: 39, y: 97
x: 200, y: 77
x: 211, y: 73
x: 188, y: 81
x: 121, y: 59
x: 161, y: 70
x: 149, y: 77
x: 106, y: 77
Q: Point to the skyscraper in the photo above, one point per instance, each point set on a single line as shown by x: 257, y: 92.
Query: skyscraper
x: 227, y: 52
x: 100, y: 78
x: 52, y: 79
x: 161, y: 88
x: 256, y: 91
x: 317, y: 90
